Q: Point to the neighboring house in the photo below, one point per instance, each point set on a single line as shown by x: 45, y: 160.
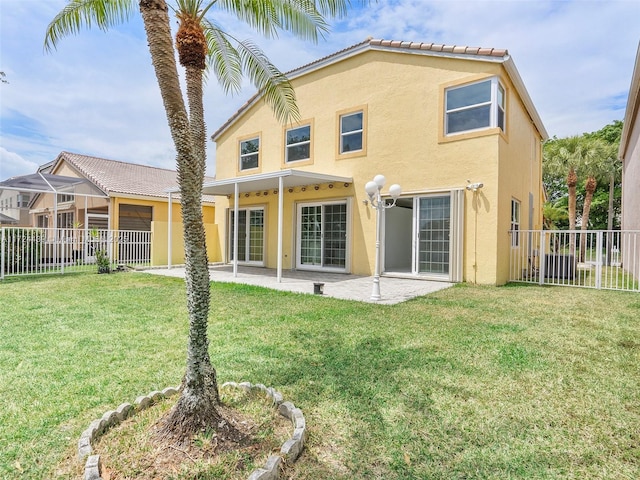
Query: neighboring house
x: 454, y: 126
x: 120, y: 196
x: 14, y: 207
x: 629, y: 153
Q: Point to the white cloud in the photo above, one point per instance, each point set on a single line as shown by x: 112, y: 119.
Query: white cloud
x: 97, y: 94
x: 12, y: 165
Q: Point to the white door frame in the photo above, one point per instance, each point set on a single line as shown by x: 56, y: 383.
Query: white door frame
x: 298, y: 252
x: 230, y: 236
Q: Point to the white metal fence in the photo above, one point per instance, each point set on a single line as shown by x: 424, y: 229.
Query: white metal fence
x: 30, y: 251
x: 593, y: 258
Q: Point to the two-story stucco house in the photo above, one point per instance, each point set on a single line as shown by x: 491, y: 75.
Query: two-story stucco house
x: 630, y: 155
x: 453, y: 126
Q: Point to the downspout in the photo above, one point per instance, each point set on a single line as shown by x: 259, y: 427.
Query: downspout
x: 280, y: 215
x: 170, y: 231
x: 236, y: 195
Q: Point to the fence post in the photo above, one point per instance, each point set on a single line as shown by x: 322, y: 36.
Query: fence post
x: 543, y: 248
x: 599, y: 260
x: 2, y: 242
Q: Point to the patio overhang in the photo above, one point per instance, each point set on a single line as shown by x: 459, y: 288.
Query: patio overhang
x: 46, y: 183
x: 276, y: 181
x: 42, y: 183
x: 267, y: 181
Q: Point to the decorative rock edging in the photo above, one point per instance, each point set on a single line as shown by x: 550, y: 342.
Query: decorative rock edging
x: 289, y: 452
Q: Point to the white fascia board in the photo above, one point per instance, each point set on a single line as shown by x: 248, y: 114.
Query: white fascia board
x: 632, y: 109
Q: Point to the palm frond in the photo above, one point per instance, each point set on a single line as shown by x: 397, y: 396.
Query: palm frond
x: 273, y: 85
x: 80, y: 14
x: 258, y: 14
x: 268, y: 17
x: 223, y: 59
x: 335, y: 8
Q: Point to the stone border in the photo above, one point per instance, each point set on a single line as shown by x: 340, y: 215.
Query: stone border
x: 289, y: 452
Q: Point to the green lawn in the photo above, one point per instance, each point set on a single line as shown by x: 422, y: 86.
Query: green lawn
x: 466, y: 383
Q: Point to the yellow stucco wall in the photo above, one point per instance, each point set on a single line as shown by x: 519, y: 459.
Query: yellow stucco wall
x: 160, y: 250
x: 402, y: 97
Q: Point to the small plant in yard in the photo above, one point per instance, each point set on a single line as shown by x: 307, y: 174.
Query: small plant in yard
x: 103, y: 262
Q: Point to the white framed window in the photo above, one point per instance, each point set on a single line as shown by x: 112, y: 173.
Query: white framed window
x: 249, y: 153
x: 65, y: 220
x: 475, y: 106
x: 42, y: 221
x: 65, y: 198
x: 23, y: 200
x: 323, y: 236
x: 515, y: 223
x: 351, y: 132
x: 298, y: 144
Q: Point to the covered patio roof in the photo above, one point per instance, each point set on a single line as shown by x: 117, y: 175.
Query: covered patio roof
x: 268, y: 181
x: 279, y: 181
x: 6, y: 219
x: 46, y: 183
x: 49, y: 183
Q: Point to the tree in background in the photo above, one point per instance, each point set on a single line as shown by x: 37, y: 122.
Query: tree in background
x: 612, y: 166
x: 611, y: 169
x: 564, y: 157
x: 199, y: 39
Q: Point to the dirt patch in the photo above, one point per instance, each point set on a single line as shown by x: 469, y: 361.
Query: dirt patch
x: 134, y: 450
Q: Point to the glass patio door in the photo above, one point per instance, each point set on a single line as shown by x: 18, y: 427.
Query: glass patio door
x: 433, y: 235
x: 250, y: 235
x: 322, y: 236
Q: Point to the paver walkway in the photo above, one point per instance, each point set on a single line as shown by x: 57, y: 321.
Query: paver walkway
x: 349, y: 287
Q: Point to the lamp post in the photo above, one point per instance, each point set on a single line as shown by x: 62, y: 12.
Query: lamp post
x: 374, y: 189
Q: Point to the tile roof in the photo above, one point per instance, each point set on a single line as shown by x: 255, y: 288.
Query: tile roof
x: 115, y: 177
x: 457, y: 51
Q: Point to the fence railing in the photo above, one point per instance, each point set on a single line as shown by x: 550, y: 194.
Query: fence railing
x: 594, y: 258
x: 30, y: 251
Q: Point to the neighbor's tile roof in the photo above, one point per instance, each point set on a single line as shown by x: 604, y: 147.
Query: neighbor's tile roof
x: 478, y: 53
x: 115, y: 177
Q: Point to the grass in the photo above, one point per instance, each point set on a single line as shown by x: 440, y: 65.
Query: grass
x: 514, y: 382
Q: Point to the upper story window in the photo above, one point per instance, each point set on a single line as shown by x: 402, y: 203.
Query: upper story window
x: 64, y: 198
x: 515, y: 223
x: 249, y: 153
x: 298, y: 144
x: 351, y: 132
x: 475, y: 106
x: 23, y: 200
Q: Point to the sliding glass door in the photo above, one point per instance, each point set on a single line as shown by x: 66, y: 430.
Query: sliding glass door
x: 250, y: 235
x: 322, y: 236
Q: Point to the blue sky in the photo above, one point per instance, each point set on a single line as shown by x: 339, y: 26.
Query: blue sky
x: 97, y: 93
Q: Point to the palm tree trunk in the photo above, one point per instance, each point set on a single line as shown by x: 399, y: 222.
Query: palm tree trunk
x: 196, y: 117
x: 590, y: 188
x: 572, y: 180
x: 195, y: 409
x: 610, y: 213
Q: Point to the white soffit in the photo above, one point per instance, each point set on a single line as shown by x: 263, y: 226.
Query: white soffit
x: 270, y: 181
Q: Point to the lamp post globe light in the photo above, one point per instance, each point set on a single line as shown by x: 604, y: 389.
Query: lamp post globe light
x: 374, y: 191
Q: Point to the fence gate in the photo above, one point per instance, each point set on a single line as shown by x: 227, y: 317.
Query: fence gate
x: 30, y: 251
x: 592, y: 258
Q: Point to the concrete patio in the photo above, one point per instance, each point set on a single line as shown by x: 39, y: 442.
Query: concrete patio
x: 348, y: 287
